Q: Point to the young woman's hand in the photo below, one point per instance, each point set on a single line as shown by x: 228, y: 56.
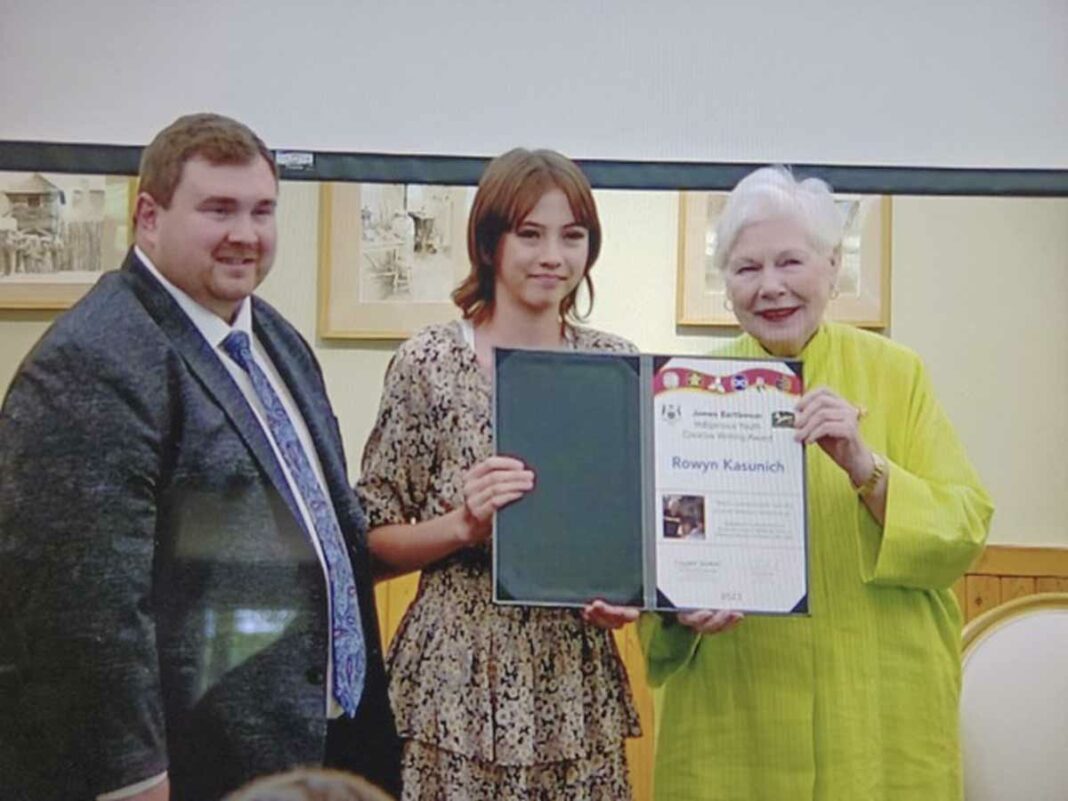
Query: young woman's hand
x: 488, y: 486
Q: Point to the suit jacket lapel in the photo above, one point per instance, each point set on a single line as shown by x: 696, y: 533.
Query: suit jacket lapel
x: 204, y: 363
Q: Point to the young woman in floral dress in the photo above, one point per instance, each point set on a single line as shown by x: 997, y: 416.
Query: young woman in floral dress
x: 493, y: 702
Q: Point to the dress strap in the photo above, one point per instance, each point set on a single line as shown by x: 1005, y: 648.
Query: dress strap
x: 467, y: 329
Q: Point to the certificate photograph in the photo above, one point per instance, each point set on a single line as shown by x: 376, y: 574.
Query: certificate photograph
x: 729, y: 484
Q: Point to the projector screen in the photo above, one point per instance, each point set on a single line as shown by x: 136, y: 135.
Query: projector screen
x: 904, y: 83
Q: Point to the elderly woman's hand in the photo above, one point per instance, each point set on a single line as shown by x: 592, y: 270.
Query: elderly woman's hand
x: 829, y: 421
x: 608, y: 616
x: 711, y: 621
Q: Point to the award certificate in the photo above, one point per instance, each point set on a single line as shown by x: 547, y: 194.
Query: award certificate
x: 729, y: 485
x: 664, y: 482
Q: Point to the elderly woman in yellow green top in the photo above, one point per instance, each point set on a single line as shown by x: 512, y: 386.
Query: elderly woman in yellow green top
x: 858, y: 701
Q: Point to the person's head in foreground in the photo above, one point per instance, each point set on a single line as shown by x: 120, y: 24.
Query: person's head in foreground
x: 309, y: 784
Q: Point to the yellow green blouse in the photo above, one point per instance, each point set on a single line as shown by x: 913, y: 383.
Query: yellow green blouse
x: 858, y: 701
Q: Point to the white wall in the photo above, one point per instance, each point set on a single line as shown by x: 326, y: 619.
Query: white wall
x: 981, y: 290
x: 909, y: 82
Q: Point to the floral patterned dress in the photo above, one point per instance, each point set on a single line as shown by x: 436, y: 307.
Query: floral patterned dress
x: 493, y: 702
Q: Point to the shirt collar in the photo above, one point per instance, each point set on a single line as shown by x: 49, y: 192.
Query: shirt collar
x: 212, y: 327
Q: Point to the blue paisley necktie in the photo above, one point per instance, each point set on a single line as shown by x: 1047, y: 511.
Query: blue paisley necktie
x: 349, y: 652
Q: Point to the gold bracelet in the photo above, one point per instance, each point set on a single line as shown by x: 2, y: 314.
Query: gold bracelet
x: 877, y: 472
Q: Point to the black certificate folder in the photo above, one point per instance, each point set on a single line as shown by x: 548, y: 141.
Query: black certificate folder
x: 663, y: 482
x: 574, y: 418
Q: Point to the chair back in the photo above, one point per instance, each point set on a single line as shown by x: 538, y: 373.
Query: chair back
x: 1014, y: 701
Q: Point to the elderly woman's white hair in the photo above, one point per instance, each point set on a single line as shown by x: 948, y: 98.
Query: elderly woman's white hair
x: 771, y: 193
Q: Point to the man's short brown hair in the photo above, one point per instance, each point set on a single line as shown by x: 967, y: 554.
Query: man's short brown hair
x: 218, y: 139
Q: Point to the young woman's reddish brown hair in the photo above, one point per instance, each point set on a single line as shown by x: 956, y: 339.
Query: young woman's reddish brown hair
x: 509, y: 189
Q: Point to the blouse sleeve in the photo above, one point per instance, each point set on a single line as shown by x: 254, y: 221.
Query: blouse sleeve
x: 398, y: 459
x: 937, y: 512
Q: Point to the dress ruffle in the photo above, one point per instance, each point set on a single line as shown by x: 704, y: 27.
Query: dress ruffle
x: 509, y: 685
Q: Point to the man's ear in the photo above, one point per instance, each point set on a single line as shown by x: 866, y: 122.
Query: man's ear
x: 146, y: 210
x: 146, y: 218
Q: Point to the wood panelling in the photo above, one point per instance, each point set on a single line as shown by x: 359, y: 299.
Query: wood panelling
x: 1051, y: 584
x: 980, y: 593
x: 1004, y: 572
x: 1003, y: 560
x: 1016, y: 587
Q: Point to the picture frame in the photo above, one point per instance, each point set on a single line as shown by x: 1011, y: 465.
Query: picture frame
x: 864, y: 275
x: 390, y: 256
x: 59, y: 232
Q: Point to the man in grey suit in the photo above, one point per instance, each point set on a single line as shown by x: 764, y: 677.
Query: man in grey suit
x: 185, y: 594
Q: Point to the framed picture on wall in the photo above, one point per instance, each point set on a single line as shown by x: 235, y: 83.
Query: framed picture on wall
x: 863, y: 278
x: 390, y: 255
x: 59, y: 233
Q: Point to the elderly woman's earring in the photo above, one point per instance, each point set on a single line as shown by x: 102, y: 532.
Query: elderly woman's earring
x: 834, y: 292
x: 727, y: 304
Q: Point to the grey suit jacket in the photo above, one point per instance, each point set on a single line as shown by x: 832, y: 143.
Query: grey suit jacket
x: 161, y: 607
